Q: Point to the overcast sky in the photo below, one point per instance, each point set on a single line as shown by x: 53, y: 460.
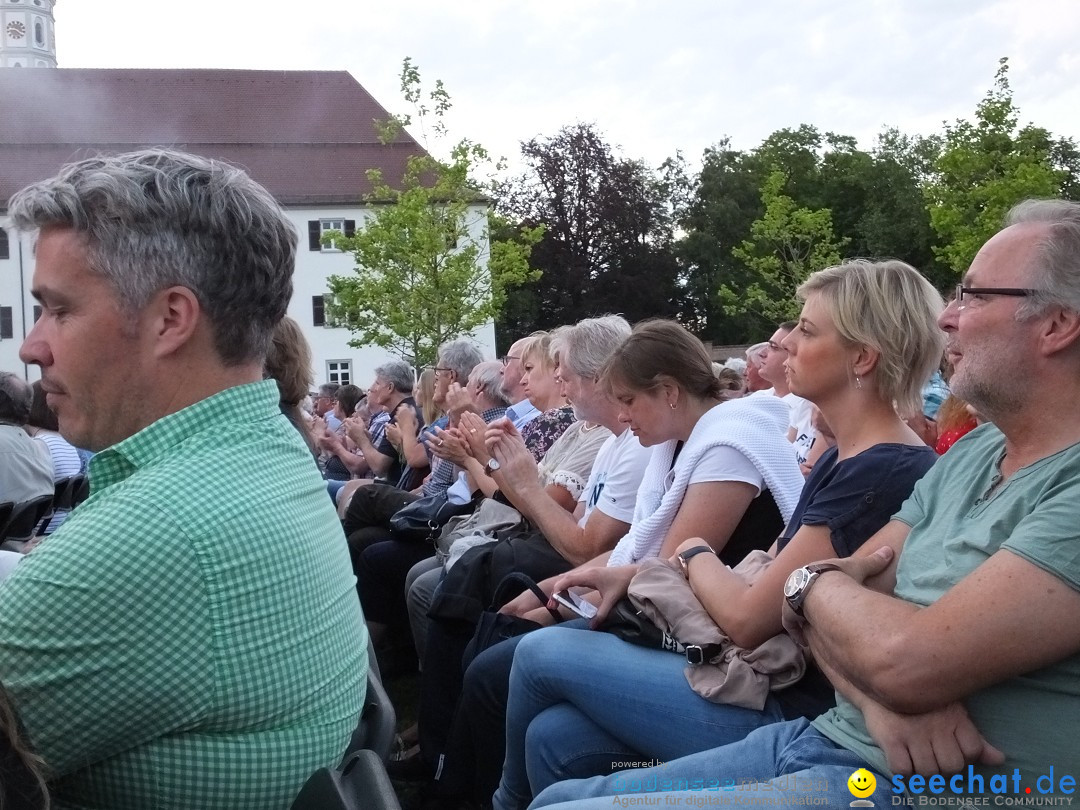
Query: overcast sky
x: 654, y: 76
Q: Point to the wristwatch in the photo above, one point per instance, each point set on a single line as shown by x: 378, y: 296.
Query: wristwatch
x: 684, y: 558
x: 491, y: 466
x: 799, y: 582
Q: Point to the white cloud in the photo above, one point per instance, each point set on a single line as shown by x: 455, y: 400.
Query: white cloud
x: 654, y: 76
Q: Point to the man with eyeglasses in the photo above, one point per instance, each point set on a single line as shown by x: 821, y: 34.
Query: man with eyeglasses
x: 521, y: 411
x: 755, y: 356
x: 801, y: 432
x: 323, y: 405
x: 951, y: 636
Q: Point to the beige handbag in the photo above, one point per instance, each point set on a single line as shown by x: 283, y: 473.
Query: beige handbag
x: 718, y: 669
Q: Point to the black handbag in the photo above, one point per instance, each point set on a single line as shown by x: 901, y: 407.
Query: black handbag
x: 494, y: 627
x: 630, y: 624
x: 423, y: 519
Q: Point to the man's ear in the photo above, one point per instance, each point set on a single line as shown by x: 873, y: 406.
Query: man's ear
x: 176, y: 315
x: 1060, y: 330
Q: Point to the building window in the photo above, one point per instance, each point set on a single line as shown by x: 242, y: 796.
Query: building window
x: 327, y: 225
x: 339, y: 371
x: 318, y: 310
x: 7, y: 325
x: 5, y: 251
x: 39, y: 35
x: 318, y: 227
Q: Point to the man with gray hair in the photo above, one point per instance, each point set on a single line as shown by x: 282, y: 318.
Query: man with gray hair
x: 521, y: 411
x: 323, y: 404
x: 25, y: 466
x: 367, y: 515
x: 151, y: 644
x: 391, y: 391
x: 382, y: 566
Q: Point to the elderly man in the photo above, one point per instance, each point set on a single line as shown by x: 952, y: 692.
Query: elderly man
x: 25, y: 466
x: 755, y: 356
x: 390, y: 392
x: 323, y: 404
x: 521, y: 411
x: 367, y: 515
x: 771, y: 368
x: 190, y: 637
x: 382, y: 566
x: 961, y: 663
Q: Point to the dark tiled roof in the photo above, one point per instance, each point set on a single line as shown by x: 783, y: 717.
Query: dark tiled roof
x: 308, y: 136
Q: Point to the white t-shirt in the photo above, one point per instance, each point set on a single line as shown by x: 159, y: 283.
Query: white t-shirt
x: 615, y: 478
x: 802, y: 412
x: 721, y: 463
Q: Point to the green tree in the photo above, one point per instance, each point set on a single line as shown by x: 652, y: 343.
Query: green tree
x: 985, y: 168
x: 427, y: 268
x: 785, y: 245
x: 608, y: 223
x: 725, y: 201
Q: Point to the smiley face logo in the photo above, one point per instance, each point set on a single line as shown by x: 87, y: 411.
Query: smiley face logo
x: 861, y: 783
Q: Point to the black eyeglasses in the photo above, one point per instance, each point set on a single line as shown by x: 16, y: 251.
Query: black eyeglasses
x: 507, y: 358
x: 438, y: 370
x: 1016, y: 292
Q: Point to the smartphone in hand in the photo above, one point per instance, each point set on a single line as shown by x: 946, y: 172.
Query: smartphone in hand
x: 576, y: 603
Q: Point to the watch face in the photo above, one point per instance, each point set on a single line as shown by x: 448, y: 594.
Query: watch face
x: 795, y: 582
x: 493, y: 465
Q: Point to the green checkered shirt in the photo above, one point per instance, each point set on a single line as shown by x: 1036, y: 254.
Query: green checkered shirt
x: 191, y: 636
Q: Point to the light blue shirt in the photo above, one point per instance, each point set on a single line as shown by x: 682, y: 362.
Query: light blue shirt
x: 521, y: 413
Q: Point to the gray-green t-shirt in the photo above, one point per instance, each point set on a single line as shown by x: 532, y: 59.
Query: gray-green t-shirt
x: 1033, y: 719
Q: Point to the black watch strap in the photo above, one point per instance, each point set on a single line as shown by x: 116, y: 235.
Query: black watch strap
x: 689, y: 554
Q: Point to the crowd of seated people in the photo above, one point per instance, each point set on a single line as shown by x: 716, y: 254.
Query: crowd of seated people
x: 981, y: 556
x: 794, y: 501
x: 573, y: 684
x: 571, y: 703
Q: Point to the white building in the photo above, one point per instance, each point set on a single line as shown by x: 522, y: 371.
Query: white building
x: 308, y: 136
x: 26, y: 33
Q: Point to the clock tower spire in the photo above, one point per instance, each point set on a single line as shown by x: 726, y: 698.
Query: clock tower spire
x: 26, y: 33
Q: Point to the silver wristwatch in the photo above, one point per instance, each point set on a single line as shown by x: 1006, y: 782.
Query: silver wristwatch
x: 799, y: 582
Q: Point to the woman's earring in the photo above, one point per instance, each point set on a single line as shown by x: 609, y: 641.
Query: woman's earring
x: 671, y: 405
x: 858, y: 382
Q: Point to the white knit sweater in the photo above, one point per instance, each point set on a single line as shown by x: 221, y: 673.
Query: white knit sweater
x: 756, y: 427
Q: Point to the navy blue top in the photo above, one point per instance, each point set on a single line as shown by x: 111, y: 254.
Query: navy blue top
x: 855, y: 498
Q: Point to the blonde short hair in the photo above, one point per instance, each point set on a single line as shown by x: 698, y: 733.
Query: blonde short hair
x: 890, y: 307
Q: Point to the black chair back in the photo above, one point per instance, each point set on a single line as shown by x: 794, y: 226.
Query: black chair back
x: 376, y: 729
x: 25, y: 517
x: 80, y: 489
x: 360, y: 784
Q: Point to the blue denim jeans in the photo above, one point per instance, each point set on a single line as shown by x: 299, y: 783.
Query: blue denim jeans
x: 584, y: 702
x: 783, y: 764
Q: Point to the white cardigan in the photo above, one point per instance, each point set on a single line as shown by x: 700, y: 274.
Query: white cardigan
x: 756, y: 427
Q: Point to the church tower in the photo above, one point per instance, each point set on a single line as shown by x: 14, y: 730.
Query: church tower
x: 26, y: 33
